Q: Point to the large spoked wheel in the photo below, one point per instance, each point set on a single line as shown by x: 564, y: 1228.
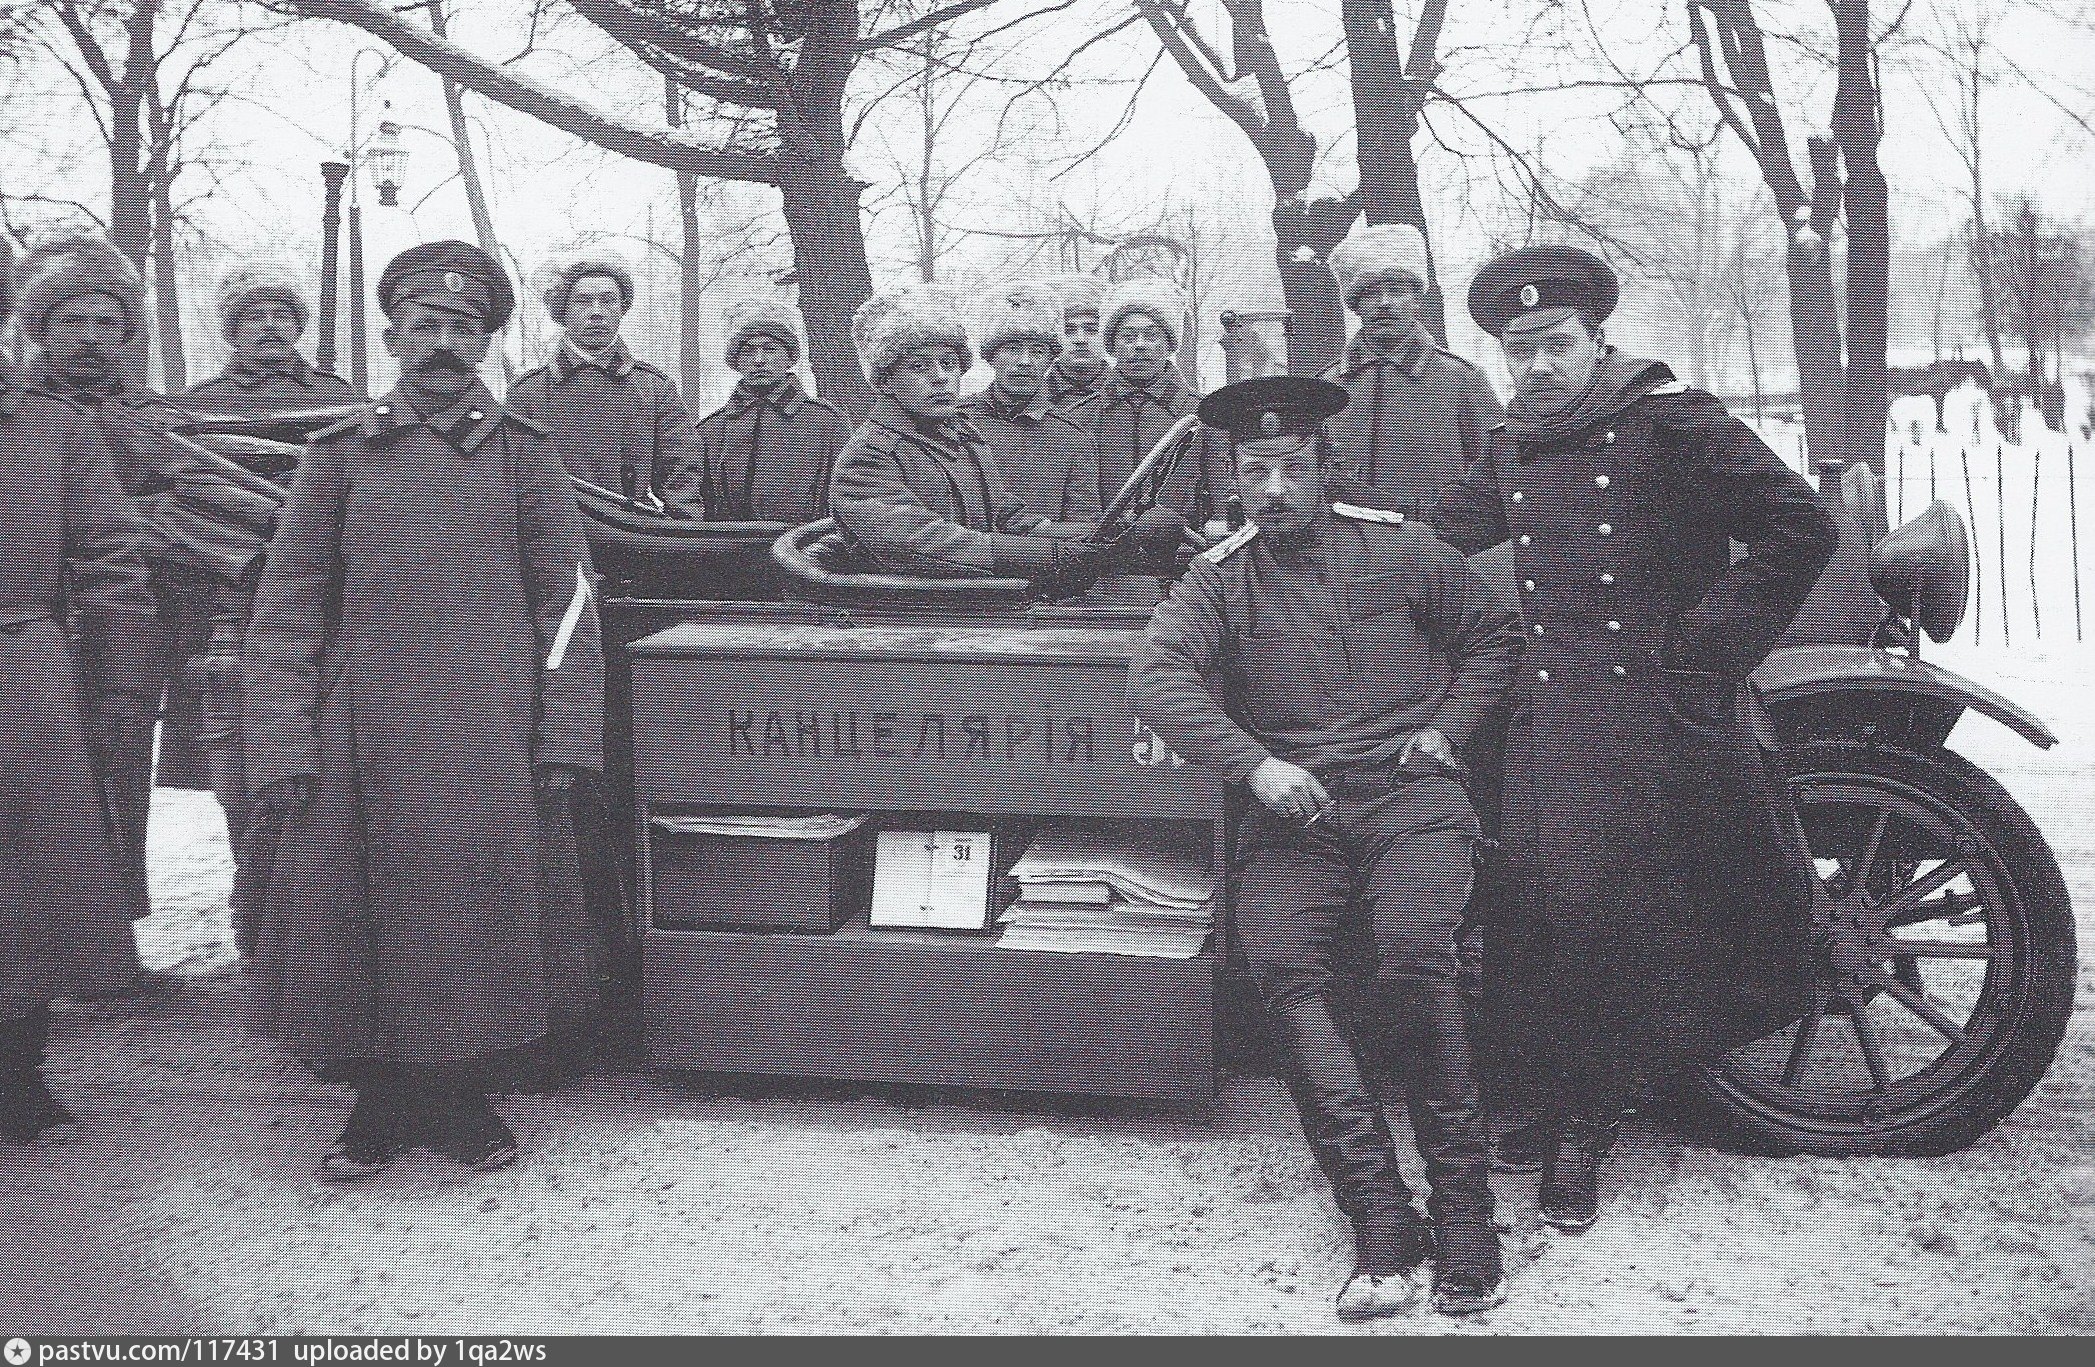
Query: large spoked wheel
x: 1947, y: 963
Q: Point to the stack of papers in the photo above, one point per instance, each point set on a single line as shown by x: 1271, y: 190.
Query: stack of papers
x: 819, y: 826
x: 1104, y: 889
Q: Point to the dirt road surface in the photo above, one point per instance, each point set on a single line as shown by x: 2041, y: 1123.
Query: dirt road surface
x: 654, y: 1204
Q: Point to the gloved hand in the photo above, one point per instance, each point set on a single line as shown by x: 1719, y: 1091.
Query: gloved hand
x: 556, y: 780
x: 116, y: 730
x: 1056, y: 567
x: 285, y: 797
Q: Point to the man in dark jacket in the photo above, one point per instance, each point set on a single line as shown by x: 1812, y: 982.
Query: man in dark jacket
x: 617, y: 421
x: 1650, y: 907
x: 1078, y: 374
x: 424, y: 680
x: 1145, y: 321
x: 262, y: 312
x: 1046, y: 458
x: 1334, y: 661
x: 68, y: 539
x: 916, y: 490
x: 1419, y: 412
x: 766, y: 453
x: 81, y: 303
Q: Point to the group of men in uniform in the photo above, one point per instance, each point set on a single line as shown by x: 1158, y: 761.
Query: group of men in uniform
x: 421, y: 679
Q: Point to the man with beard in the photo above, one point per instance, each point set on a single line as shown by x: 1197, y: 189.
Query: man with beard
x: 1145, y: 320
x: 424, y: 682
x: 1419, y: 412
x: 81, y: 304
x: 1335, y: 661
x: 1650, y: 907
x: 767, y: 451
x: 262, y: 312
x: 1045, y: 457
x: 616, y: 420
x: 1078, y: 374
x: 69, y: 544
x: 916, y: 490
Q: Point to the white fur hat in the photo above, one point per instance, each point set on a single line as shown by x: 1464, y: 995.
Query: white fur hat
x: 1150, y: 295
x: 1022, y: 311
x: 60, y: 268
x: 889, y: 326
x: 1377, y: 253
x: 248, y: 281
x: 759, y: 316
x: 1081, y: 293
x: 558, y: 276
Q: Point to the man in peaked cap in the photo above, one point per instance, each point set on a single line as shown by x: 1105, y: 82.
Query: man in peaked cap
x: 1419, y: 412
x: 617, y: 421
x: 1144, y: 322
x: 1078, y: 372
x: 424, y: 681
x: 768, y: 450
x: 1046, y: 458
x: 1334, y: 660
x: 262, y: 312
x: 1649, y: 909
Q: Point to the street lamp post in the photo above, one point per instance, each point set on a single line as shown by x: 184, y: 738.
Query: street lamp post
x: 332, y: 174
x: 388, y: 162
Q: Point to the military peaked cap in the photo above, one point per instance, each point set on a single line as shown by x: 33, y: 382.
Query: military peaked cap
x: 1551, y: 280
x: 454, y: 276
x: 1273, y: 406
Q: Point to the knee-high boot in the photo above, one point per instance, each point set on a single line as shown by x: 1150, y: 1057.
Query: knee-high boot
x: 1349, y: 1137
x: 28, y: 1111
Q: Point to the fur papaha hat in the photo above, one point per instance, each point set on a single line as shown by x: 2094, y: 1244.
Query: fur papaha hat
x: 890, y: 325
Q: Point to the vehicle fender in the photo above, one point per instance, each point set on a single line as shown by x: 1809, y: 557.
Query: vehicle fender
x: 1795, y: 673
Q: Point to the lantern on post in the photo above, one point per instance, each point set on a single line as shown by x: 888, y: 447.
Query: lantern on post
x: 388, y: 160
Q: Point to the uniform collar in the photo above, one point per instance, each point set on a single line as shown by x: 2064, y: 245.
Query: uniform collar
x: 1165, y: 391
x: 785, y: 396
x: 1062, y: 383
x: 465, y: 424
x: 1304, y: 547
x: 1618, y: 381
x: 1411, y: 354
x: 248, y: 375
x: 954, y: 435
x: 615, y: 360
x: 1032, y: 411
x: 110, y: 387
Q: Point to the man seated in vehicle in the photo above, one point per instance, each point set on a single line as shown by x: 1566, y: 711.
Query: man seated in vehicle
x: 1045, y: 456
x: 916, y: 490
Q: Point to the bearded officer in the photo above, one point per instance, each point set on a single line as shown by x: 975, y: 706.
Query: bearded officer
x: 424, y: 680
x: 1419, y: 412
x: 1650, y: 907
x: 262, y: 312
x: 1352, y: 656
x: 617, y: 421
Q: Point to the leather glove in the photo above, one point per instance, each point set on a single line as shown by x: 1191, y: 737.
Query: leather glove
x: 556, y: 780
x: 117, y: 729
x: 1056, y: 567
x: 283, y: 798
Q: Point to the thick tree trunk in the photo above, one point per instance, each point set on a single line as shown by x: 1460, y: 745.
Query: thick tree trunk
x: 1303, y: 236
x: 1815, y: 335
x: 1868, y: 208
x: 167, y: 296
x: 469, y: 167
x: 1387, y: 98
x: 691, y: 272
x: 829, y: 256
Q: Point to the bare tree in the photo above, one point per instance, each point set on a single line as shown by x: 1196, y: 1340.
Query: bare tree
x: 2045, y: 294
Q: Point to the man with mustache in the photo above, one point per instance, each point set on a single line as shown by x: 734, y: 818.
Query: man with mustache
x: 1419, y: 412
x: 617, y: 421
x: 916, y: 491
x: 424, y: 682
x: 768, y: 450
x: 1650, y: 908
x: 81, y: 305
x: 1078, y: 372
x: 1045, y: 457
x: 1335, y: 660
x: 262, y: 312
x: 1145, y: 320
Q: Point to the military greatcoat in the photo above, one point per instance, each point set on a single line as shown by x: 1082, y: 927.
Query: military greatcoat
x: 424, y: 635
x: 68, y: 540
x: 1650, y: 899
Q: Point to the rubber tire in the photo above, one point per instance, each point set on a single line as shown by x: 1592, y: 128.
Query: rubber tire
x: 2039, y: 1016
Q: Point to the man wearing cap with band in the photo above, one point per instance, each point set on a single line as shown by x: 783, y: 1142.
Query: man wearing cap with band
x: 1077, y: 375
x: 768, y: 450
x: 1045, y: 457
x: 1649, y: 909
x: 1335, y: 660
x: 616, y: 421
x: 1419, y: 412
x: 262, y: 312
x: 424, y: 680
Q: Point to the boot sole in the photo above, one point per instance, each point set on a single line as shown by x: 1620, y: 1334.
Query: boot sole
x: 341, y: 1168
x: 487, y: 1162
x: 1470, y: 1305
x: 1570, y: 1224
